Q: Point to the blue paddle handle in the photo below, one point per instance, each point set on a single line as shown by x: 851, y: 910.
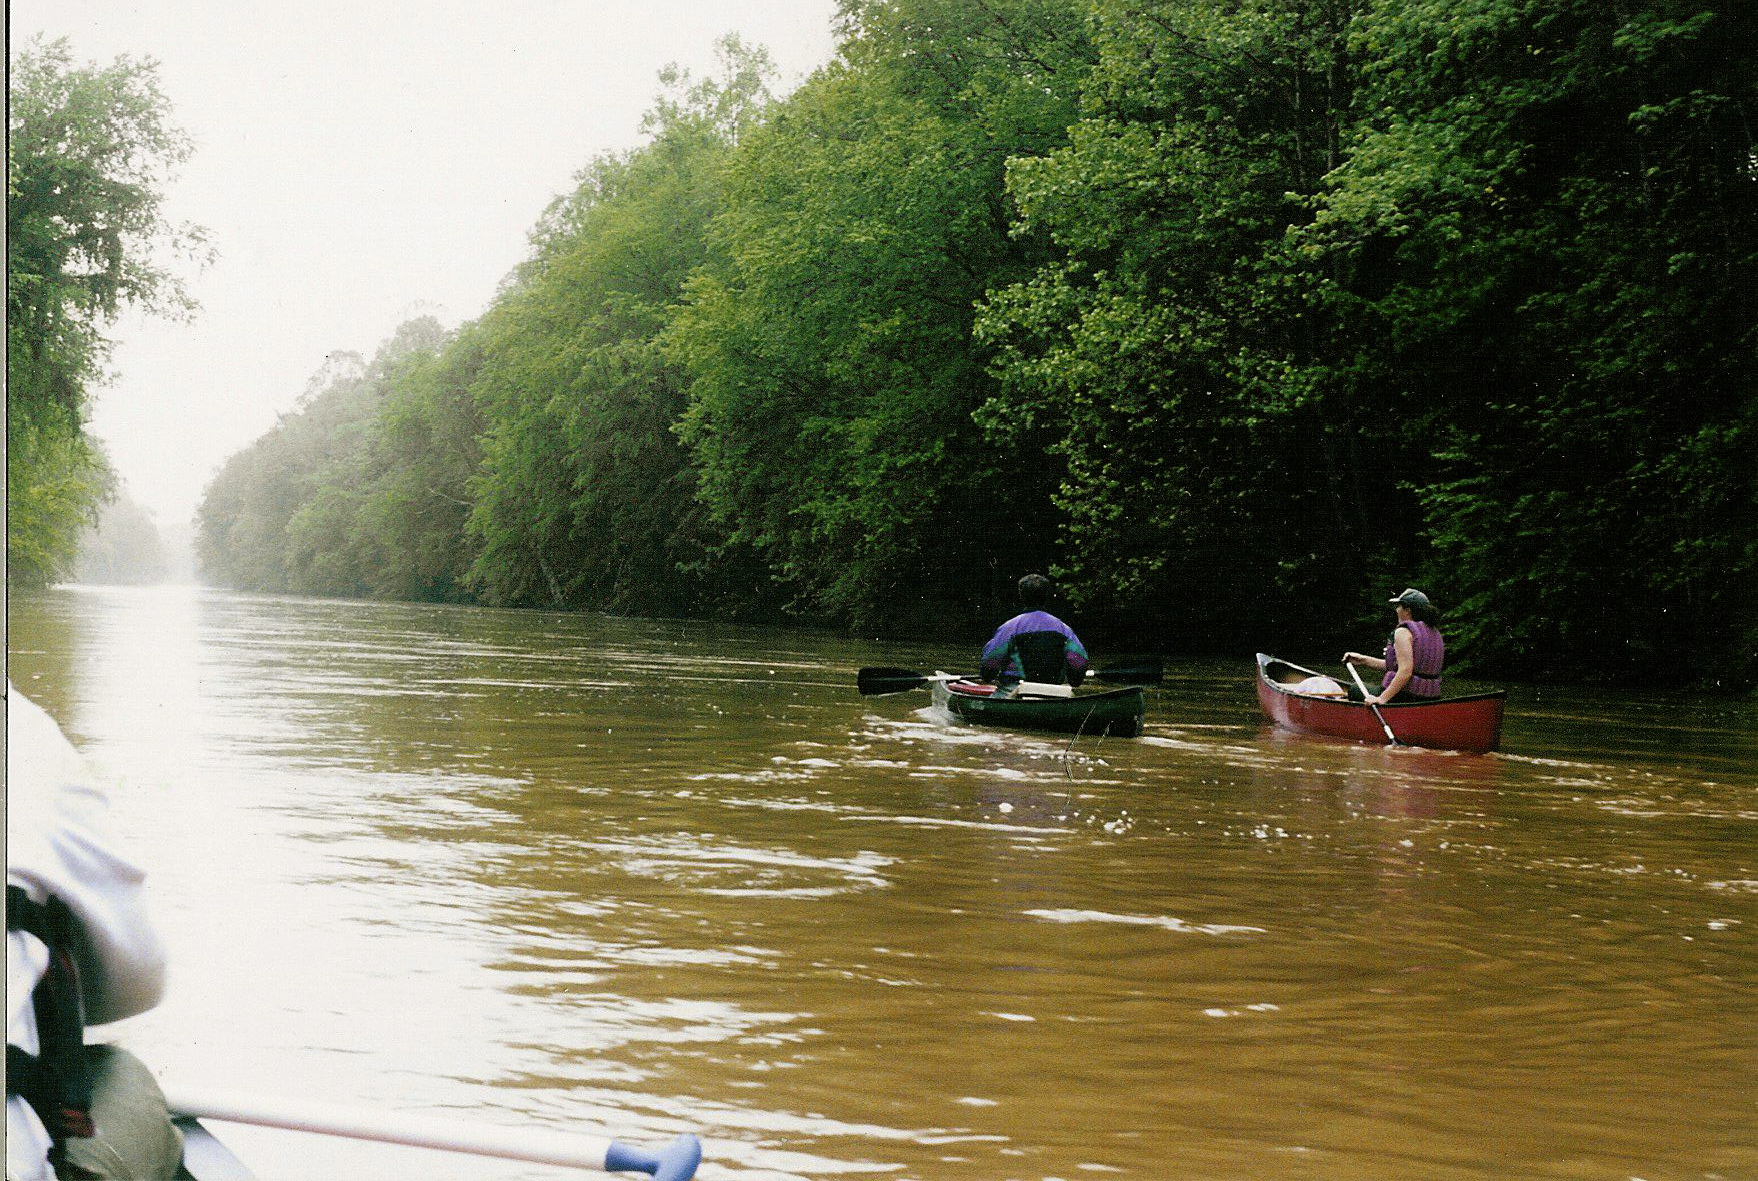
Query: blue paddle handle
x: 677, y: 1162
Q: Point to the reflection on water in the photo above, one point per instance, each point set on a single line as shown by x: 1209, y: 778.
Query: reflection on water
x: 643, y: 877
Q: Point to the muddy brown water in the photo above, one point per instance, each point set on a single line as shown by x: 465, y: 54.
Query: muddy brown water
x: 635, y: 878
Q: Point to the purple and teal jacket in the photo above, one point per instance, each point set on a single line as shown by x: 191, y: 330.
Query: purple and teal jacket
x: 1035, y: 646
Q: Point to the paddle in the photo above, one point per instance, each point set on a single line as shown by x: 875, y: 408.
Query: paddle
x: 1144, y: 670
x: 1390, y: 737
x: 676, y: 1162
x: 1137, y: 670
x: 875, y: 681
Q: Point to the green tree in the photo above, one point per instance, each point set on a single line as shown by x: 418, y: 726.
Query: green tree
x: 90, y: 150
x: 424, y: 452
x: 293, y: 512
x: 828, y: 337
x: 585, y: 496
x: 1547, y: 236
x: 333, y: 547
x: 244, y: 522
x: 1169, y: 348
x: 1350, y: 294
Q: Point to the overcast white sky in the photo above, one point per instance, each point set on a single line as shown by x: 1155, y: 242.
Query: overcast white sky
x: 360, y: 162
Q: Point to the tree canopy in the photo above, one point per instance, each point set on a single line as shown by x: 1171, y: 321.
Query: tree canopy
x: 1235, y: 316
x: 90, y: 150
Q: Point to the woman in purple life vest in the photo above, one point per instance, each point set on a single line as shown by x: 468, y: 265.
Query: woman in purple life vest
x: 1414, y: 654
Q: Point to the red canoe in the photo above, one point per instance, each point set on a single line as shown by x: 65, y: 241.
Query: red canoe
x: 1473, y: 722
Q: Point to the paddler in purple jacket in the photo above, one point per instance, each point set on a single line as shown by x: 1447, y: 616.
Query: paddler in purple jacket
x: 1034, y: 646
x: 1414, y: 654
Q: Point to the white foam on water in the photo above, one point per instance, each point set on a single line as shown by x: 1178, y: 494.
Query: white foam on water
x: 1143, y: 920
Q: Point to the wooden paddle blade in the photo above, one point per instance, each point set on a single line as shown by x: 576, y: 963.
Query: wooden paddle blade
x: 874, y: 681
x: 1139, y: 670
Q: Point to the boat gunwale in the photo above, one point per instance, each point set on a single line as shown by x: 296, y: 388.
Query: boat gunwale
x: 1264, y: 660
x: 1102, y: 695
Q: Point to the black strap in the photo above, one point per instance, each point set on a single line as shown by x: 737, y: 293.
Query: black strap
x: 57, y: 1082
x: 24, y: 913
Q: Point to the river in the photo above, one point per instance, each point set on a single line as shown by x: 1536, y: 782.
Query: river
x: 639, y: 877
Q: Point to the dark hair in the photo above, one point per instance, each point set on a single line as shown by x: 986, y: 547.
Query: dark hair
x: 1034, y: 592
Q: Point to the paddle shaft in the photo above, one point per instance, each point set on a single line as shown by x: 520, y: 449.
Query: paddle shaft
x: 676, y: 1163
x: 1390, y: 737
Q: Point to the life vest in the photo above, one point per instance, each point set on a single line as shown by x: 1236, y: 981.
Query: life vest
x: 1428, y: 652
x: 56, y: 1081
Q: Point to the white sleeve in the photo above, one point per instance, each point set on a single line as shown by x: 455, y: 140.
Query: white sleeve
x: 27, y: 1143
x: 59, y: 841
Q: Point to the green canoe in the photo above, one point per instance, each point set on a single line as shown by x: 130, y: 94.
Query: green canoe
x: 1117, y: 711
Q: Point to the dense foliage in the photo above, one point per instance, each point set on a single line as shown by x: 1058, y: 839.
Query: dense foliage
x: 828, y: 341
x: 310, y: 507
x: 89, y: 151
x: 585, y: 495
x: 1236, y: 315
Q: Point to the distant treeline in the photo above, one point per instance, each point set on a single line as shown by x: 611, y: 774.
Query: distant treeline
x: 125, y: 547
x: 1236, y: 316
